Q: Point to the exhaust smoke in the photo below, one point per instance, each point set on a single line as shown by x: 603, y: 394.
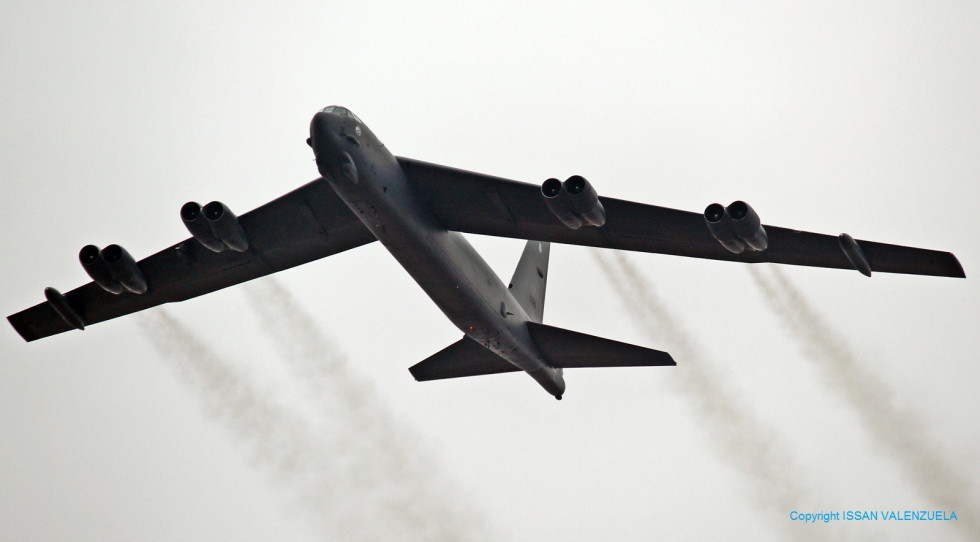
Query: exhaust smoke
x: 348, y: 468
x: 390, y: 473
x: 742, y: 438
x: 897, y: 430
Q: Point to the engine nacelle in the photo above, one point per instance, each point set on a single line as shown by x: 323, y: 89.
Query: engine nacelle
x: 748, y: 226
x: 225, y: 226
x: 98, y: 269
x: 193, y: 217
x: 124, y: 269
x: 736, y: 227
x: 585, y: 200
x: 558, y: 203
x: 575, y: 202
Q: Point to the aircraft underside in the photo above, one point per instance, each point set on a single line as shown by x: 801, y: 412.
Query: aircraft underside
x: 418, y: 211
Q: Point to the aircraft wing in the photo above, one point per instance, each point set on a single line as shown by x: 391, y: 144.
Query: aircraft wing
x: 486, y: 205
x: 309, y: 223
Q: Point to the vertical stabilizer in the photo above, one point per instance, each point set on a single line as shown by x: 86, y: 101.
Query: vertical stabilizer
x: 531, y: 279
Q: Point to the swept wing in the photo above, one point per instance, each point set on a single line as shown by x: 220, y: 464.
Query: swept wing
x: 483, y: 204
x: 306, y: 224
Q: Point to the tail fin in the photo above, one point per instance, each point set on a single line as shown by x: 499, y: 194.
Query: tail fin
x: 531, y: 279
x: 567, y: 349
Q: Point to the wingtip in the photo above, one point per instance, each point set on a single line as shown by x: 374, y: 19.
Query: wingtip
x: 22, y: 329
x: 958, y: 271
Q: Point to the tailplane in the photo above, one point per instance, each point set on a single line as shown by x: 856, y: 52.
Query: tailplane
x: 566, y: 349
x: 464, y: 357
x: 561, y: 348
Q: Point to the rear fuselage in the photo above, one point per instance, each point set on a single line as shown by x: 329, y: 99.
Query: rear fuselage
x: 369, y: 179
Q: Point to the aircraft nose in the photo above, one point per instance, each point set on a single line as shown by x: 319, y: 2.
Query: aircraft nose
x: 325, y: 141
x: 320, y: 128
x: 323, y: 132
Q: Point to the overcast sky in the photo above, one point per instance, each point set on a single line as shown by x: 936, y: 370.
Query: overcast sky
x: 212, y: 419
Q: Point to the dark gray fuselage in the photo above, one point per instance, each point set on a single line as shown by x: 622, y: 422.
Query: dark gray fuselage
x: 368, y: 178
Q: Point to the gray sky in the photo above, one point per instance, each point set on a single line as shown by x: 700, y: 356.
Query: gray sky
x: 830, y: 117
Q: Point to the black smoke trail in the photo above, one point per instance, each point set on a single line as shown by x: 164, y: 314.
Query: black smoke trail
x: 742, y: 438
x: 276, y: 439
x: 897, y: 430
x: 391, y: 472
x: 340, y: 483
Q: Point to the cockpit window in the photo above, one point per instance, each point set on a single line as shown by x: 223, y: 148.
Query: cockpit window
x: 342, y: 111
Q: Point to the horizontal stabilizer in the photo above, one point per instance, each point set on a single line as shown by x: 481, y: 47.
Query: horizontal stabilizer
x: 572, y: 350
x: 464, y: 357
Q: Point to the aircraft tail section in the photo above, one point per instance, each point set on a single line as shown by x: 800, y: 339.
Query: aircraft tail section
x: 560, y: 348
x: 531, y: 279
x: 565, y: 349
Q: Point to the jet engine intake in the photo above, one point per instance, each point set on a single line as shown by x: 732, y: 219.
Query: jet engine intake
x: 225, y: 226
x: 748, y: 226
x: 574, y: 203
x: 193, y: 218
x: 98, y: 269
x: 124, y: 269
x: 736, y: 227
x: 557, y: 201
x: 585, y: 200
